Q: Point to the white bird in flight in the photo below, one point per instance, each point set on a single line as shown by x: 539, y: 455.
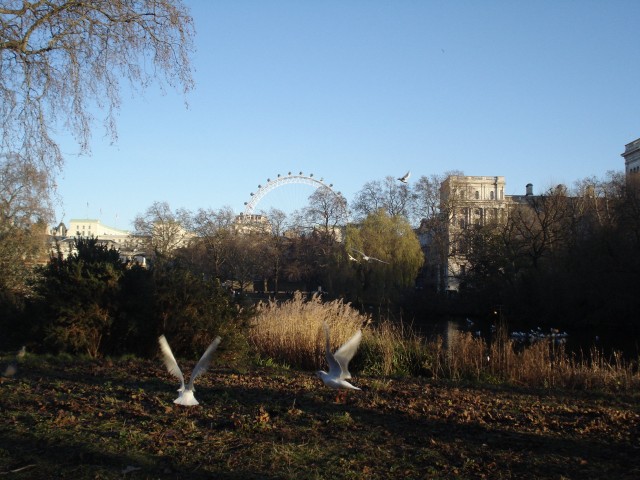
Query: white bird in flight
x: 12, y: 368
x: 186, y: 396
x: 339, y: 362
x: 367, y: 258
x: 405, y: 177
x: 351, y: 258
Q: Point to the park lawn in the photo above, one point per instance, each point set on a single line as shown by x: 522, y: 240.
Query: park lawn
x: 62, y: 417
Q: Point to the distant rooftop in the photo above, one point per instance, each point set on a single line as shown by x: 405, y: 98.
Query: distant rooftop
x: 631, y: 147
x: 106, y: 229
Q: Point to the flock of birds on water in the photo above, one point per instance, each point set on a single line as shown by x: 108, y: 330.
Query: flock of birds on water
x: 531, y: 336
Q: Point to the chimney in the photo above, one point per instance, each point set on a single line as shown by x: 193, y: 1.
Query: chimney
x: 529, y: 189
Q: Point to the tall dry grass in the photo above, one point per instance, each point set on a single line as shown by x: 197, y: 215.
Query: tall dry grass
x: 291, y: 333
x: 542, y: 364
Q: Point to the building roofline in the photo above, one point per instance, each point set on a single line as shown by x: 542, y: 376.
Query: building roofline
x: 89, y: 220
x: 631, y: 147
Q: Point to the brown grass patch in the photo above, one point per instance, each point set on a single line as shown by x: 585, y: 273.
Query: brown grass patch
x: 291, y: 333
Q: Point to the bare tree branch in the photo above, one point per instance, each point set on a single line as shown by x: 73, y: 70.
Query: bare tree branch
x: 59, y: 58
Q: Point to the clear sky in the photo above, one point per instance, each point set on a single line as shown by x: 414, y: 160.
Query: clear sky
x: 542, y: 92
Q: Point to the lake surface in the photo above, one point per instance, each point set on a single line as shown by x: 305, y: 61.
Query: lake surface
x: 579, y: 341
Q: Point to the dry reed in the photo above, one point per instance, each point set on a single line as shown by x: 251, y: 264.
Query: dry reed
x: 543, y: 364
x: 291, y: 333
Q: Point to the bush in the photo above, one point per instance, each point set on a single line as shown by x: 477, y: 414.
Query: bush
x: 79, y: 297
x: 14, y: 329
x: 192, y: 310
x: 92, y: 303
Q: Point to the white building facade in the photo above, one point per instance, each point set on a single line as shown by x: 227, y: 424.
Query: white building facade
x: 470, y: 201
x: 130, y: 246
x: 631, y: 157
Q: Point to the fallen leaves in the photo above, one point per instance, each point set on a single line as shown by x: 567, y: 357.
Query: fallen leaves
x: 273, y: 422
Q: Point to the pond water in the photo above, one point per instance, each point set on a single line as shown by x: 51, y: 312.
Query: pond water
x: 578, y: 341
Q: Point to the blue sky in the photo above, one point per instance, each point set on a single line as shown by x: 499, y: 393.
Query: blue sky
x: 542, y: 92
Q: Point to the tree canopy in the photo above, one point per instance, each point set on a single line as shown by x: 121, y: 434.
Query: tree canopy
x: 25, y: 209
x: 389, y: 239
x: 61, y: 58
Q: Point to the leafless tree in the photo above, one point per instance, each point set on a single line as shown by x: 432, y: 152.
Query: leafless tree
x: 25, y: 210
x: 278, y: 221
x: 543, y: 223
x: 427, y: 195
x: 61, y: 58
x: 165, y: 229
x: 275, y: 244
x: 326, y: 212
x: 212, y: 228
x: 394, y: 197
x: 248, y: 261
x: 24, y: 192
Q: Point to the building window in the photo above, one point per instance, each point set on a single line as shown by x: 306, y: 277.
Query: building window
x: 491, y: 195
x: 477, y: 214
x: 477, y: 195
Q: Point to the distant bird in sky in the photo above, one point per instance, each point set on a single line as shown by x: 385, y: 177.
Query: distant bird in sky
x: 405, y: 177
x: 339, y: 362
x: 367, y: 258
x: 186, y: 396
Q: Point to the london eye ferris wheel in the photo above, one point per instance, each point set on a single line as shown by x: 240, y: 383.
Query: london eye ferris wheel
x: 250, y: 206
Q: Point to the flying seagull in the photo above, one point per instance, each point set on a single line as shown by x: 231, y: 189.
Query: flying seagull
x: 405, y: 177
x: 186, y: 396
x: 12, y: 368
x: 352, y: 258
x: 367, y: 258
x: 339, y: 362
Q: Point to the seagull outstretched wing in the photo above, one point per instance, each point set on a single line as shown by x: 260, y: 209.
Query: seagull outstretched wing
x: 346, y: 352
x: 170, y: 361
x: 204, y: 361
x: 405, y: 177
x: 339, y: 361
x: 367, y: 258
x: 378, y: 260
x: 364, y: 257
x: 334, y: 366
